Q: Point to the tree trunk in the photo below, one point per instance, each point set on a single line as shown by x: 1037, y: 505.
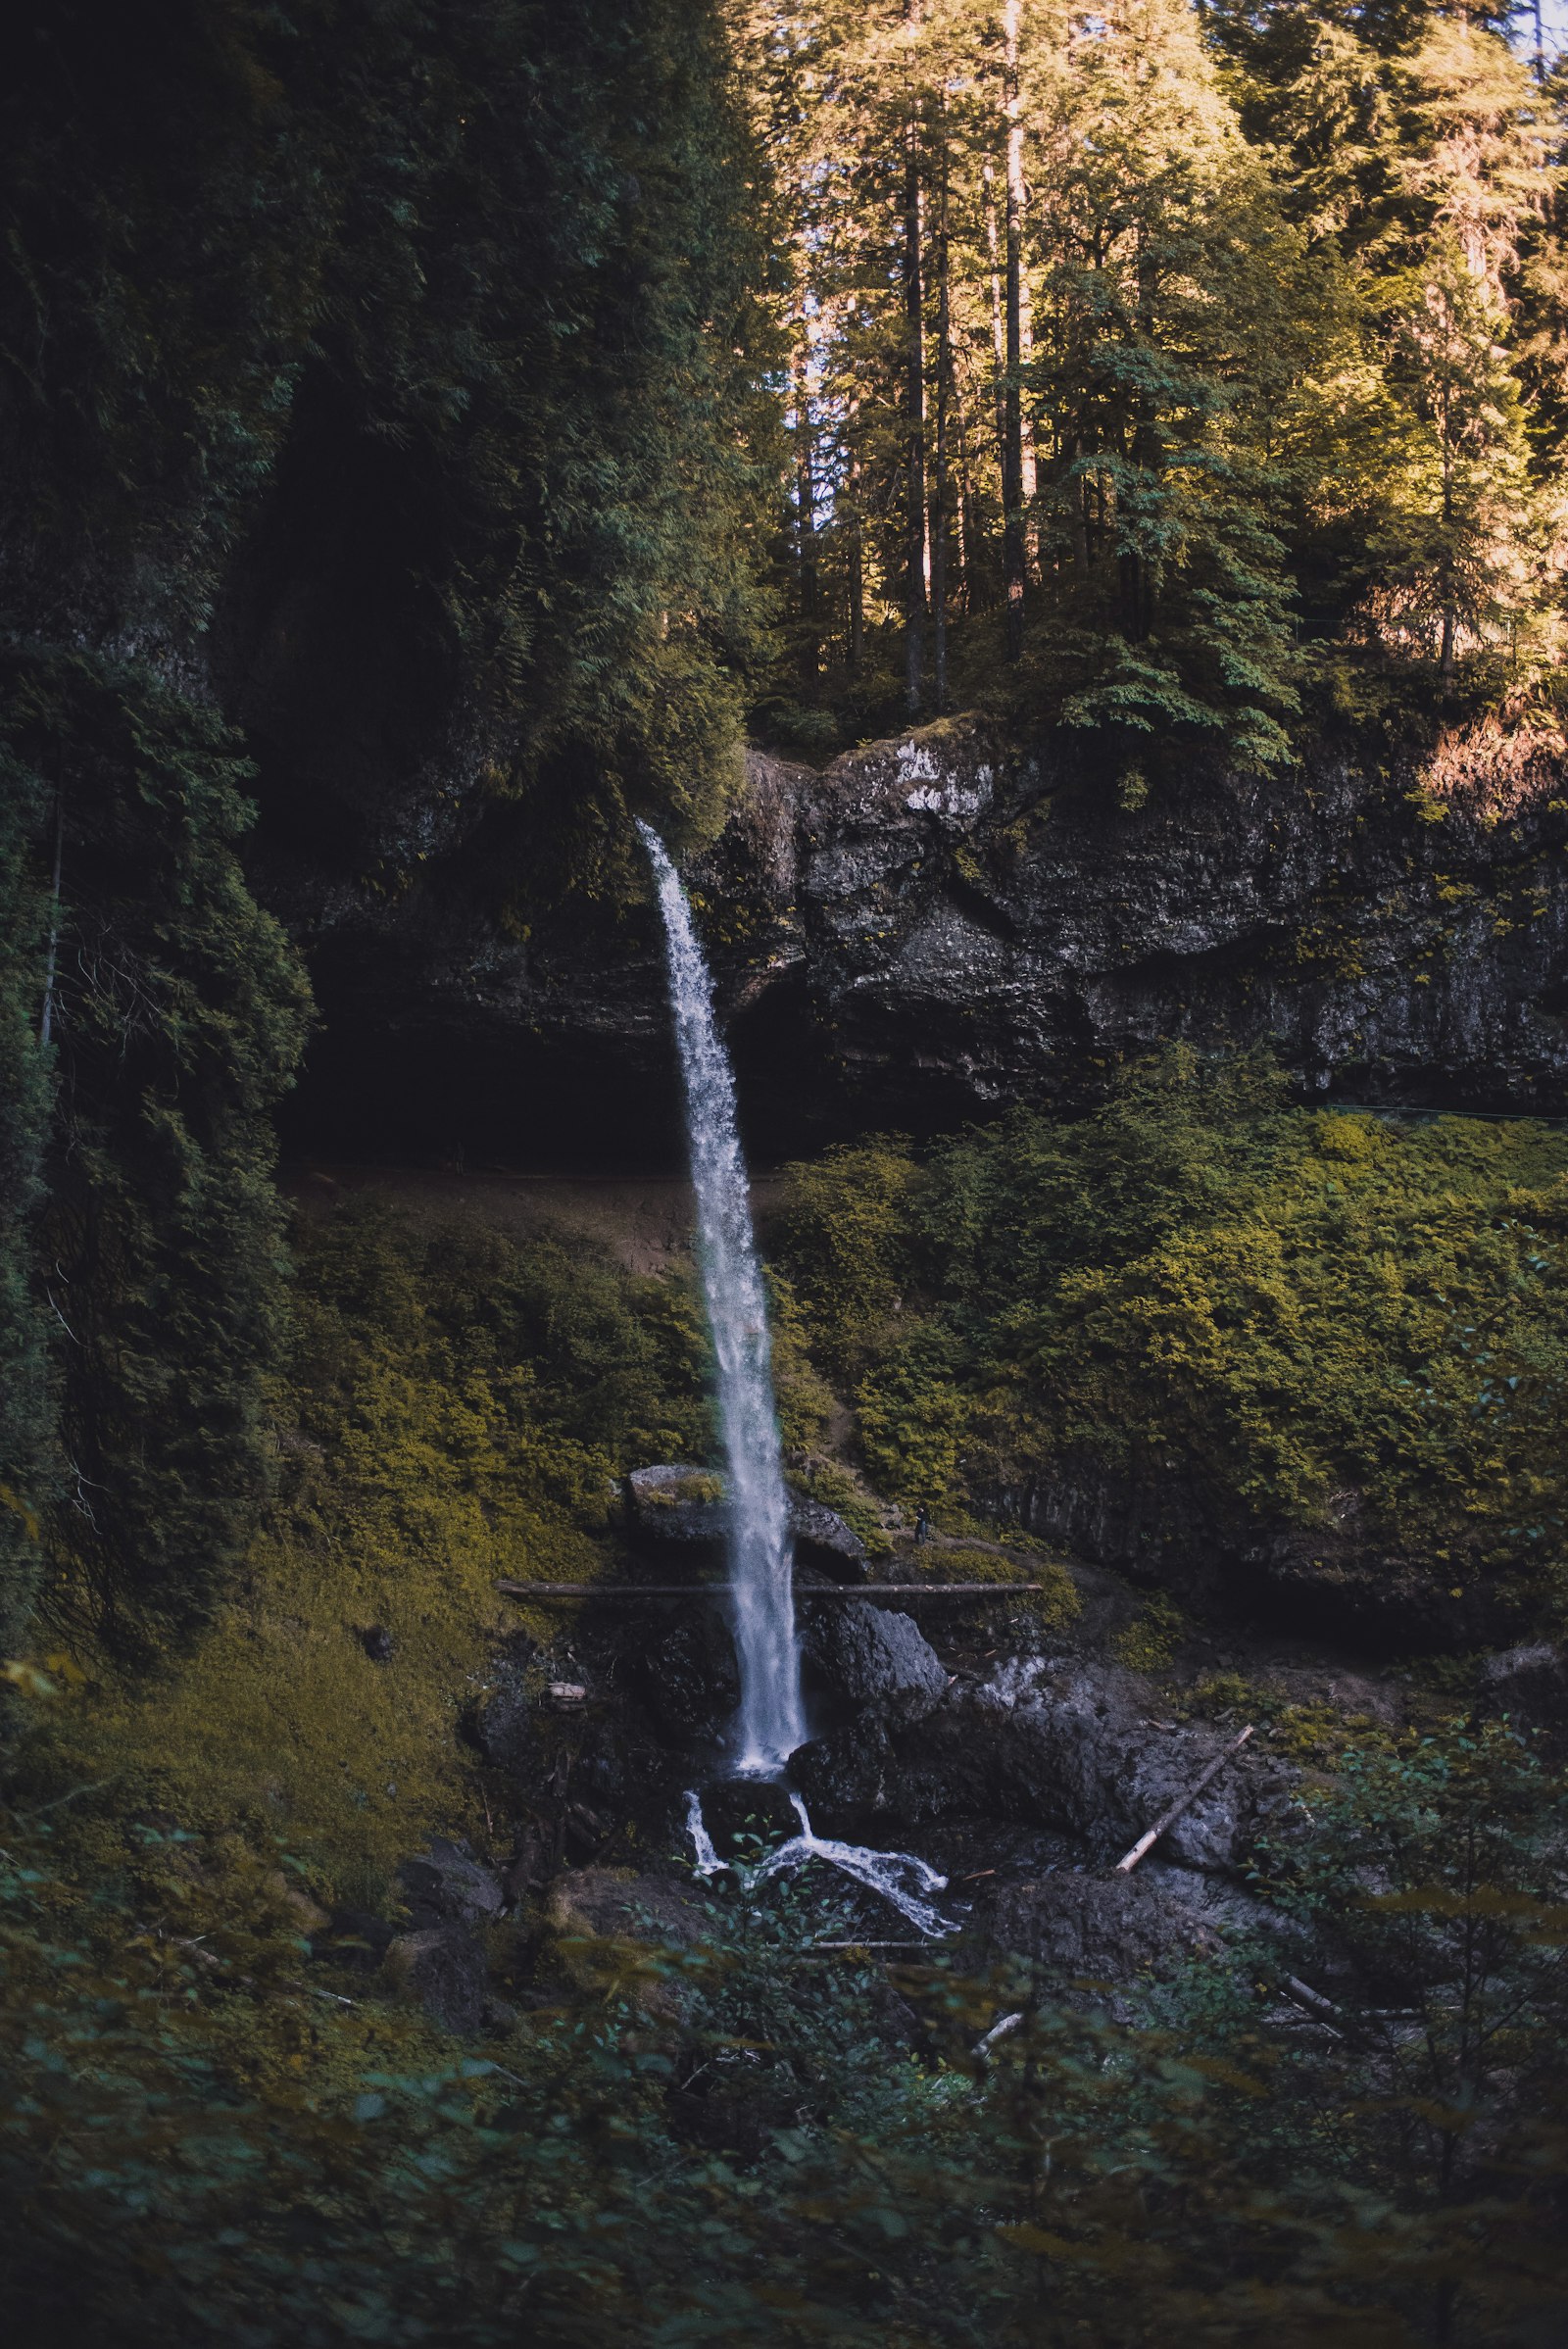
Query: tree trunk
x: 966, y: 506
x: 857, y: 641
x: 999, y: 345
x: 939, y: 511
x: 805, y: 513
x: 916, y: 515
x: 1028, y: 470
x: 1014, y: 552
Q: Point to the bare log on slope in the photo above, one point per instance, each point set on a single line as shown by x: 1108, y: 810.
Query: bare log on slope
x: 1146, y: 1842
x: 511, y: 1589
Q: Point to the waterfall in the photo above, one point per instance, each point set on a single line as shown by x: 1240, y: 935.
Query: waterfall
x: 771, y: 1721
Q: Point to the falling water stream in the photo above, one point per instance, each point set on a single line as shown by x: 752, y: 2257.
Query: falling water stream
x: 771, y: 1720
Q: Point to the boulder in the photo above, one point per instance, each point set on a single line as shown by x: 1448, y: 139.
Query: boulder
x: 822, y: 1540
x: 593, y: 1913
x: 850, y: 1779
x: 1104, y: 1927
x: 447, y: 1885
x: 676, y: 1504
x: 689, y: 1674
x: 680, y: 1504
x: 1530, y: 1684
x: 1061, y: 1743
x: 617, y: 1903
x: 442, y: 1968
x: 746, y: 1806
x: 875, y: 1659
x: 1073, y: 1744
x: 498, y: 1724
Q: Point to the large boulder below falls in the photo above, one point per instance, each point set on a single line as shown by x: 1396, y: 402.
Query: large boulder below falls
x: 1057, y: 1744
x: 677, y: 1504
x: 1075, y: 1745
x: 1098, y: 1929
x: 874, y: 1659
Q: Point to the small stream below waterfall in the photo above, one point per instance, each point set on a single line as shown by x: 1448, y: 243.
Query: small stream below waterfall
x: 771, y: 1719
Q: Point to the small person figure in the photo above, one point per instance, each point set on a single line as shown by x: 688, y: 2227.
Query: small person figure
x: 922, y: 1526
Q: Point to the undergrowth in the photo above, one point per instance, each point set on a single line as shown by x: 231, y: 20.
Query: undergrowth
x: 1219, y: 1318
x: 458, y: 1408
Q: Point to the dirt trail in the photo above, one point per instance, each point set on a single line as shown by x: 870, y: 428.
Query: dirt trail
x: 644, y: 1221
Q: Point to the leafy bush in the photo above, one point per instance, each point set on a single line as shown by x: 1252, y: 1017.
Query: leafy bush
x: 206, y: 2140
x: 841, y: 1237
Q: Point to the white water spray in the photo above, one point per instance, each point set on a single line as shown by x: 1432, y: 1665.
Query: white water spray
x: 771, y: 1721
x: 897, y: 1874
x: 772, y: 1716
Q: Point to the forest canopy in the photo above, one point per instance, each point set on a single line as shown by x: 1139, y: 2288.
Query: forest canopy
x: 1160, y: 368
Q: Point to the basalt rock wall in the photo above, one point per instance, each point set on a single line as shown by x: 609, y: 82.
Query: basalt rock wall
x: 940, y: 926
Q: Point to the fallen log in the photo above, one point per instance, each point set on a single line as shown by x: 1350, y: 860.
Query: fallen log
x: 1145, y: 1842
x: 511, y: 1589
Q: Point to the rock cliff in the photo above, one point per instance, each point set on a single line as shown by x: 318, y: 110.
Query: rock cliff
x: 939, y: 925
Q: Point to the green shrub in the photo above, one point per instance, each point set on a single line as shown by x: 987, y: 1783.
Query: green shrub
x: 841, y: 1237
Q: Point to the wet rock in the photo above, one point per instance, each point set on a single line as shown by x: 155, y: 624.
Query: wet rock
x: 743, y: 1807
x: 498, y: 1724
x: 447, y: 1885
x: 847, y: 1780
x: 1074, y: 1745
x: 875, y: 1659
x: 1064, y: 1744
x: 679, y: 1505
x: 689, y: 1676
x: 1104, y: 1929
x: 441, y: 1969
x: 1530, y: 1684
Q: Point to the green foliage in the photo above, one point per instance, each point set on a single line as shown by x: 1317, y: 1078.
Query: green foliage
x: 759, y: 2138
x: 1304, y: 1318
x: 912, y: 1416
x: 177, y: 1014
x: 839, y: 1236
x: 1149, y: 1643
x: 1429, y: 1870
x: 376, y: 374
x: 493, y: 267
x: 1217, y: 338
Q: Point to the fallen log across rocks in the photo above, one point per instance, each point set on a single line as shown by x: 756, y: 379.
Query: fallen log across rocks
x: 1167, y: 1819
x: 906, y: 1591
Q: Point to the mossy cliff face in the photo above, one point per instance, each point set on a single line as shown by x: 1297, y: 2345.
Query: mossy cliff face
x: 1296, y: 1360
x: 939, y: 925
